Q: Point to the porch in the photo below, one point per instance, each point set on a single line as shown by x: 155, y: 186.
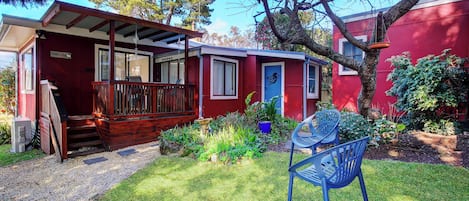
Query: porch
x: 129, y: 113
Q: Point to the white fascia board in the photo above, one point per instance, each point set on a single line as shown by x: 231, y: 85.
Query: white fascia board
x: 175, y: 55
x: 285, y: 55
x: 222, y: 51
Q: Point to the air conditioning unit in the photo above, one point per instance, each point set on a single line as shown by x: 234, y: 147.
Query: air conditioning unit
x: 20, y: 134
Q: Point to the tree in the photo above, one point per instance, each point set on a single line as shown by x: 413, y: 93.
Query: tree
x: 23, y: 3
x: 235, y: 38
x: 7, y: 88
x: 163, y: 11
x: 295, y: 33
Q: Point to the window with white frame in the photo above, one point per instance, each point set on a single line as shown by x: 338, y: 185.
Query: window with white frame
x: 313, y: 81
x: 350, y: 51
x: 128, y: 65
x: 171, y: 72
x: 27, y: 60
x: 223, y: 78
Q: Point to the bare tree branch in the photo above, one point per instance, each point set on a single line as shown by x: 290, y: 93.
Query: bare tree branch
x: 341, y: 26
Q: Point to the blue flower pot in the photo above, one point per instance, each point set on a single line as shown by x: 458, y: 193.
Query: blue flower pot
x: 265, y: 126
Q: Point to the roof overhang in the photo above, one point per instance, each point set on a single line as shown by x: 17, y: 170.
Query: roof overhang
x: 13, y: 37
x: 76, y: 20
x: 70, y: 15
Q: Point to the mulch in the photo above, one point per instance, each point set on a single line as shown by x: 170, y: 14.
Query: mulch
x: 417, y: 147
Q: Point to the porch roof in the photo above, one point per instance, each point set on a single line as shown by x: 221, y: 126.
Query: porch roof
x: 70, y: 15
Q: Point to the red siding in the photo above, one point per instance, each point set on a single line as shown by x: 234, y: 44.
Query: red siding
x: 421, y: 32
x: 74, y: 76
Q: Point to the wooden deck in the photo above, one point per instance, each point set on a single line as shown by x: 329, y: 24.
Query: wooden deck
x: 129, y: 113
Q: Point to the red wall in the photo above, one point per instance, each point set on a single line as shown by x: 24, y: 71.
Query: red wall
x: 250, y: 79
x: 421, y: 32
x: 74, y: 76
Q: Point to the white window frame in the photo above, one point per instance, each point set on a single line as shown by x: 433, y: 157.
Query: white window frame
x: 316, y: 81
x: 23, y: 70
x: 341, y: 51
x: 236, y: 62
x: 97, y: 69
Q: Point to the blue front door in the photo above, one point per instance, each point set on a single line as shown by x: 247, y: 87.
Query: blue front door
x: 273, y: 83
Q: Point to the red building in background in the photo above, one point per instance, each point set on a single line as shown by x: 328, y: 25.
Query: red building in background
x: 430, y: 27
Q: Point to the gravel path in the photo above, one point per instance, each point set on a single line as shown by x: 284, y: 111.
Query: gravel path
x: 45, y: 179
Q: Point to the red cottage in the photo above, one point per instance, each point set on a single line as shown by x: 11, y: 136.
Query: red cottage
x: 430, y: 27
x: 77, y: 95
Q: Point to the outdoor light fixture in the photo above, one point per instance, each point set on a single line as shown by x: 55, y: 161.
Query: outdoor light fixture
x: 41, y: 34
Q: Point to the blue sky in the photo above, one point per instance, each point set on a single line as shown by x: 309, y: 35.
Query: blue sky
x: 226, y: 13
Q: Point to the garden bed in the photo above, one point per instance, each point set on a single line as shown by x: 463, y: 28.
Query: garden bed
x: 418, y: 147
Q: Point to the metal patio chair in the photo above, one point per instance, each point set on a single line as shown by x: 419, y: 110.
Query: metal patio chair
x: 336, y: 167
x: 323, y: 129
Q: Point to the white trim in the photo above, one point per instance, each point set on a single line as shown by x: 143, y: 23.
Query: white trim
x: 282, y: 67
x: 278, y: 54
x: 222, y: 51
x: 174, y: 56
x: 419, y: 5
x: 97, y: 70
x: 341, y: 49
x: 212, y: 97
x: 316, y: 81
x: 34, y: 69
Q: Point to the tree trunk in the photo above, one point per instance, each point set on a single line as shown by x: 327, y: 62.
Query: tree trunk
x: 367, y: 73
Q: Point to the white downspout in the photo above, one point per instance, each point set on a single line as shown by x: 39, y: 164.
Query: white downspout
x: 201, y: 83
x: 305, y: 86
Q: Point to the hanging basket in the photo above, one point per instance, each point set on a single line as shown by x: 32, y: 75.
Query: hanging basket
x: 379, y: 45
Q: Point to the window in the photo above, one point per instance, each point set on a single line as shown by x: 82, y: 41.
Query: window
x: 171, y: 72
x: 313, y: 81
x: 223, y: 78
x: 350, y: 51
x: 27, y: 60
x: 128, y: 65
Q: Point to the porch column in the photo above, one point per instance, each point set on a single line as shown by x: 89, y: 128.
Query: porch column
x: 112, y: 44
x: 186, y: 56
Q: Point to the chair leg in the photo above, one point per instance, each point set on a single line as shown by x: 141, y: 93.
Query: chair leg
x: 362, y: 185
x: 325, y: 190
x: 290, y: 187
x: 291, y: 153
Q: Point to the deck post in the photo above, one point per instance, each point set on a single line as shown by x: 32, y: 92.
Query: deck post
x: 186, y: 73
x: 112, y: 44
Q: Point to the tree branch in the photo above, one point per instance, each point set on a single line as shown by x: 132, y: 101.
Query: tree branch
x: 397, y: 11
x: 342, y: 28
x: 270, y: 17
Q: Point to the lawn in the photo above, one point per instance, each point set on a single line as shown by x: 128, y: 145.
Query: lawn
x: 173, y: 178
x: 7, y: 158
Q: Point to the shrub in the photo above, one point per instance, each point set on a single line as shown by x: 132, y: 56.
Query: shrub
x: 431, y: 90
x: 353, y: 126
x: 5, y: 133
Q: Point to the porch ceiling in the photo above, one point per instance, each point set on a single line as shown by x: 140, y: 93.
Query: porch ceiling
x: 12, y: 37
x: 70, y: 15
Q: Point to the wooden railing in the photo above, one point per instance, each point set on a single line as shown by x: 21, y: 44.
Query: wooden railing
x: 122, y: 99
x: 55, y: 120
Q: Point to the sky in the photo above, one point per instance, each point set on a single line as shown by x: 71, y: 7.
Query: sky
x: 226, y: 13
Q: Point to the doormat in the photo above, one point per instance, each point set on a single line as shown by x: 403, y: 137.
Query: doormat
x: 94, y: 160
x: 126, y: 152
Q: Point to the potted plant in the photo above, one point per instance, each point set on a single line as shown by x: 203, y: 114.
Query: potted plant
x: 267, y: 115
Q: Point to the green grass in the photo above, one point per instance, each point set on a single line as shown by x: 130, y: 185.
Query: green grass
x: 7, y: 158
x: 172, y: 178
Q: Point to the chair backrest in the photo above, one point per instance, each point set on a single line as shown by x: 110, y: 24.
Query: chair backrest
x: 327, y: 121
x: 347, y: 160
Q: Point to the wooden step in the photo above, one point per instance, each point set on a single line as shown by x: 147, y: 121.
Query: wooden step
x: 84, y: 144
x: 81, y: 128
x: 82, y: 135
x: 73, y: 154
x: 80, y: 120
